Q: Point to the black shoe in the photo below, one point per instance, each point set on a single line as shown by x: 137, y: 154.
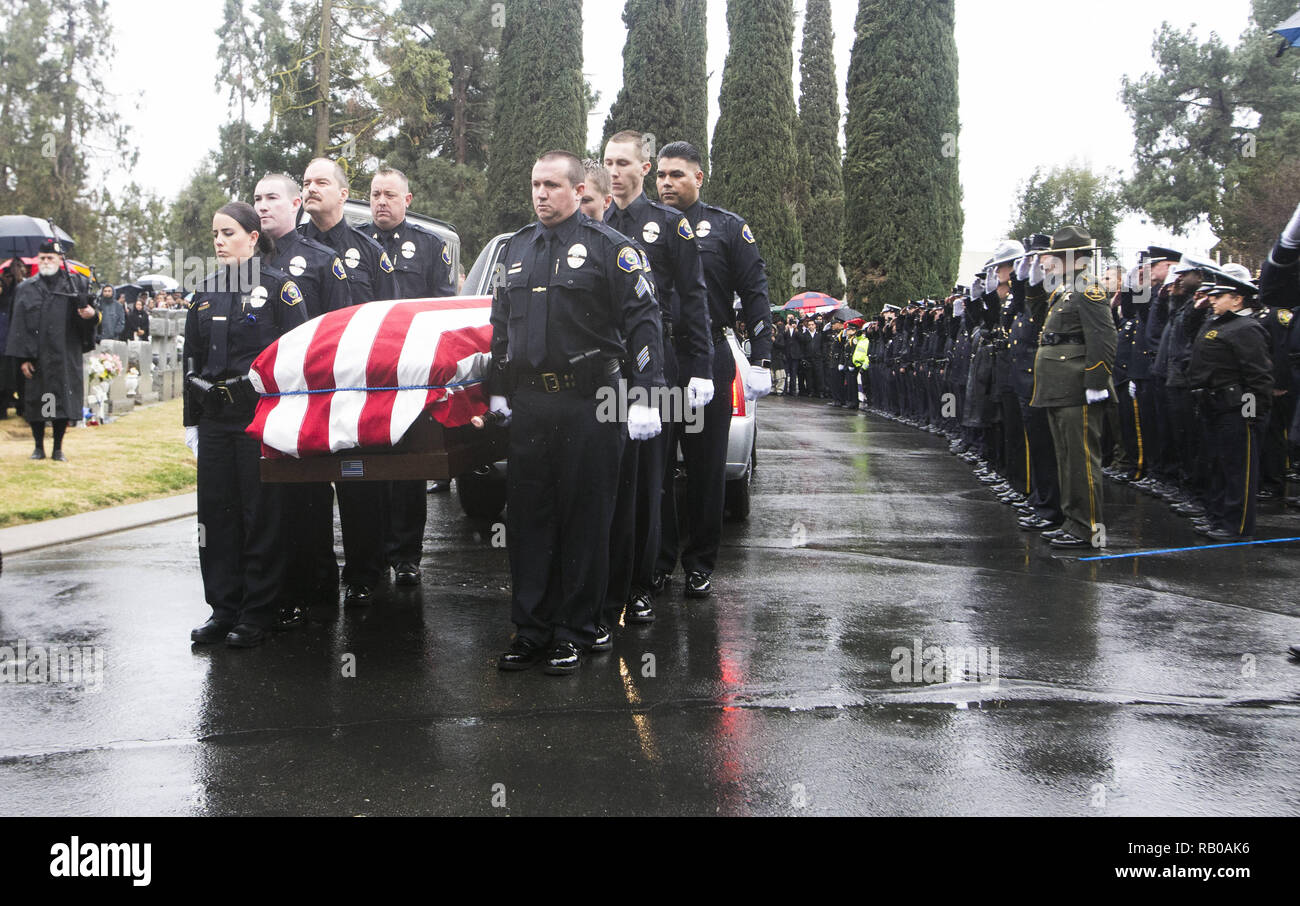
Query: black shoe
x: 246, y: 635
x: 210, y: 632
x: 1122, y: 477
x: 439, y: 487
x: 1224, y: 536
x: 604, y: 639
x: 358, y: 595
x: 38, y: 453
x: 406, y: 574
x: 658, y: 580
x: 58, y: 456
x: 1053, y: 534
x: 1262, y: 494
x: 1037, y: 524
x: 290, y: 616
x: 1294, y: 651
x: 563, y: 658
x: 1189, y: 509
x: 698, y: 585
x: 1293, y: 475
x: 522, y: 654
x: 1204, y: 528
x: 638, y: 610
x: 1065, y: 539
x: 1293, y: 502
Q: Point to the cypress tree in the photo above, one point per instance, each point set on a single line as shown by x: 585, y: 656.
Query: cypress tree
x: 754, y: 156
x: 541, y: 102
x: 695, y: 39
x: 902, y: 198
x: 821, y: 217
x: 653, y: 98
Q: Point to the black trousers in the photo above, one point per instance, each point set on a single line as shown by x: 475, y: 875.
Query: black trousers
x: 1015, y: 444
x: 363, y: 518
x: 240, y: 556
x: 1273, y: 456
x: 1128, y: 452
x: 561, y: 488
x: 793, y: 377
x: 311, y: 570
x: 408, y: 514
x: 697, y: 534
x: 1045, y: 497
x: 1235, y: 443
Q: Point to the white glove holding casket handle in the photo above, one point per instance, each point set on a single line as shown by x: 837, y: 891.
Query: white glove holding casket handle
x: 1096, y: 396
x: 699, y: 392
x: 642, y: 422
x: 759, y: 384
x: 498, y: 405
x: 192, y: 439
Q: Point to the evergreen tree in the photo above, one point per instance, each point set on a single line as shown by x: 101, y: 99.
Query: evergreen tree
x: 902, y: 198
x: 821, y: 216
x: 754, y: 156
x: 541, y: 101
x: 695, y: 39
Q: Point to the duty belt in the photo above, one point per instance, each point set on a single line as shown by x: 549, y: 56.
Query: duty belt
x: 546, y: 381
x: 1058, y: 339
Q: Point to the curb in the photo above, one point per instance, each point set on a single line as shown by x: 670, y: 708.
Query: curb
x: 33, y: 536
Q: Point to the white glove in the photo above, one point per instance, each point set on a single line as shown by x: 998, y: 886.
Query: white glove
x: 840, y: 367
x: 642, y: 422
x: 699, y: 392
x: 499, y: 406
x: 1022, y: 267
x: 1132, y: 389
x: 991, y: 280
x: 759, y: 384
x: 1096, y: 396
x: 958, y: 307
x: 1036, y: 275
x: 192, y: 439
x: 1291, y: 235
x: 977, y: 287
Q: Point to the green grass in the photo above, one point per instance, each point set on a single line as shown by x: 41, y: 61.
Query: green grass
x: 141, y: 456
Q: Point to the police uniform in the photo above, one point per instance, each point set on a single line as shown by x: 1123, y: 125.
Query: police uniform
x: 1076, y: 353
x: 421, y: 270
x: 311, y: 572
x: 732, y: 266
x: 230, y: 321
x: 1273, y: 444
x: 665, y: 236
x: 1279, y: 288
x: 363, y: 506
x: 575, y: 299
x: 1231, y: 376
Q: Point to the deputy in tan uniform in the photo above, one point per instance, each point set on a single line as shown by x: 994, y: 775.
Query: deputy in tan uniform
x: 1072, y: 377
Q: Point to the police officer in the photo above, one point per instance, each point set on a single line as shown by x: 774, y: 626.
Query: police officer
x: 668, y: 240
x: 1231, y: 375
x: 732, y: 265
x: 311, y: 572
x: 1279, y: 285
x: 239, y: 311
x: 421, y: 270
x: 363, y: 506
x: 1072, y: 376
x: 574, y: 300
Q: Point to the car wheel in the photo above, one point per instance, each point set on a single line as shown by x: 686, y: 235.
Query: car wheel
x: 481, y: 493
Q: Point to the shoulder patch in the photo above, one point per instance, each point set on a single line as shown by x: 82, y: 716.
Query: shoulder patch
x: 628, y: 260
x: 338, y: 270
x: 446, y: 255
x: 1094, y: 292
x: 747, y: 233
x: 1284, y: 317
x: 684, y: 229
x: 384, y: 264
x: 290, y: 294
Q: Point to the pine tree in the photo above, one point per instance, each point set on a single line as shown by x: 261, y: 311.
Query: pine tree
x: 754, y: 156
x: 541, y: 102
x: 654, y: 97
x: 821, y: 219
x: 695, y: 39
x: 902, y: 198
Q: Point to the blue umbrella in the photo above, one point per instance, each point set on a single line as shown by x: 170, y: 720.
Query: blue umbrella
x: 1290, y: 30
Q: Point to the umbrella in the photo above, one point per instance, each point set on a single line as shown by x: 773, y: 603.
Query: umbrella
x: 22, y: 235
x: 845, y: 314
x: 157, y: 282
x: 1290, y: 30
x: 132, y: 292
x: 812, y: 302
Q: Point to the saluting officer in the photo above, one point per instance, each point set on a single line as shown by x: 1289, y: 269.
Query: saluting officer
x: 1072, y: 377
x: 575, y: 299
x: 240, y: 310
x: 363, y: 506
x: 732, y: 265
x: 311, y: 572
x: 421, y: 270
x: 668, y: 240
x: 1231, y: 374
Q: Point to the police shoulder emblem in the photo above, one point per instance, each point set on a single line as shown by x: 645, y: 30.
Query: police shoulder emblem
x: 1283, y: 317
x: 446, y: 255
x: 747, y: 233
x: 385, y: 265
x: 628, y: 260
x: 650, y: 232
x: 1094, y: 292
x: 290, y: 294
x: 338, y: 270
x: 684, y: 229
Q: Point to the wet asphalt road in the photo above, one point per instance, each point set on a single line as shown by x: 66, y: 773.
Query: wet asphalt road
x: 1150, y: 686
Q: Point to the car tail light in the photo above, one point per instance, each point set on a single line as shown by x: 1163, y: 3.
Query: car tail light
x: 737, y: 396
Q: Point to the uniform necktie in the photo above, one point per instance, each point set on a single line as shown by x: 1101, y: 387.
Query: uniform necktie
x: 541, y: 274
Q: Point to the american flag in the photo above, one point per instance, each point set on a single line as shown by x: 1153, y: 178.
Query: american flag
x: 361, y: 376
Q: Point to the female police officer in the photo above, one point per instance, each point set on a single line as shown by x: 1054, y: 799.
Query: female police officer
x: 239, y: 311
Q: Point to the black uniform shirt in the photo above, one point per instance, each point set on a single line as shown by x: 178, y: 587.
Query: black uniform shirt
x: 669, y: 242
x: 1233, y: 349
x: 596, y: 294
x: 421, y: 260
x: 370, y: 272
x: 733, y: 266
x: 316, y: 269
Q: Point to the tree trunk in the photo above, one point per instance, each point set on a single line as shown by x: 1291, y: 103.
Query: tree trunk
x: 459, y: 103
x: 323, y: 83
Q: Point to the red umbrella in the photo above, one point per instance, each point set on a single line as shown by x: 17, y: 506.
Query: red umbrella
x: 812, y: 302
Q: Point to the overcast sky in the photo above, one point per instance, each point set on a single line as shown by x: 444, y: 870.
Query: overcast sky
x: 164, y: 62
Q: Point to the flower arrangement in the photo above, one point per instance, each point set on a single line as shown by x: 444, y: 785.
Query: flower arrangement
x: 104, y: 366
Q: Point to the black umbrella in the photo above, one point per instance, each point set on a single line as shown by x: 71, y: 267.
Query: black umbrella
x: 845, y: 314
x: 22, y: 235
x: 132, y: 292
